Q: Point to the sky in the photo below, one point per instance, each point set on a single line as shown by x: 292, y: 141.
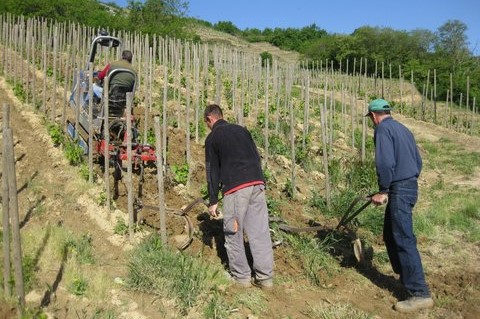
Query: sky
x: 341, y: 16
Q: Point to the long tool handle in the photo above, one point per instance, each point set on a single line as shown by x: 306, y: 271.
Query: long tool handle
x: 291, y: 229
x: 347, y: 213
x: 348, y: 216
x: 190, y: 206
x: 347, y: 219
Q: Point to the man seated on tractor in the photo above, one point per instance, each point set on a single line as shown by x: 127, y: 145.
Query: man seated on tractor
x: 120, y: 83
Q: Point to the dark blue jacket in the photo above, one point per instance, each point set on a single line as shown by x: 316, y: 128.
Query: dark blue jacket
x: 396, y: 154
x: 231, y: 158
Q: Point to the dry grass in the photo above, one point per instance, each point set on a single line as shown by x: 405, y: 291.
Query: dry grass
x: 212, y: 36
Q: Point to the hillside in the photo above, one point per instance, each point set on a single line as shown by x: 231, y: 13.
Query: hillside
x: 212, y: 36
x: 57, y: 206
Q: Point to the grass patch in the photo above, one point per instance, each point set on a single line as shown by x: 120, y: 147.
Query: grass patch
x: 445, y: 154
x: 56, y: 133
x: 381, y: 257
x: 180, y: 173
x: 350, y: 178
x: 29, y: 268
x: 104, y: 314
x: 73, y: 152
x: 372, y: 219
x: 157, y: 269
x: 216, y: 306
x: 81, y: 249
x: 78, y: 286
x: 336, y: 311
x: 455, y: 210
x: 314, y: 256
x: 99, y: 286
x: 253, y: 300
x: 84, y: 172
x: 121, y: 228
x: 422, y: 225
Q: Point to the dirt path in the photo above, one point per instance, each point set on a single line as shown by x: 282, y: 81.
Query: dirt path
x: 431, y: 132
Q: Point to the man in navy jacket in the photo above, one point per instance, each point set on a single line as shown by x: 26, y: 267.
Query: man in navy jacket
x: 398, y: 165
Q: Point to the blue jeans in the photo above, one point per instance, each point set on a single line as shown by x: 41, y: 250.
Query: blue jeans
x: 399, y: 239
x: 97, y: 92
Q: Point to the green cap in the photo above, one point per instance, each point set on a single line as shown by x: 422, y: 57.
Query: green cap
x: 378, y: 105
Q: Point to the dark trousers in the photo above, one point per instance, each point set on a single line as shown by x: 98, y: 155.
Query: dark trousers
x: 399, y: 239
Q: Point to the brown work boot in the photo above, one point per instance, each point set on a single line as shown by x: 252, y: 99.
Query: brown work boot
x: 413, y: 304
x: 266, y: 284
x: 242, y: 283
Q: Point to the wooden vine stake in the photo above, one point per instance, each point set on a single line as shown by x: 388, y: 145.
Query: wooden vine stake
x: 306, y: 111
x: 364, y: 133
x: 161, y: 189
x: 5, y: 206
x: 292, y: 146
x: 90, y: 123
x: 54, y: 75
x: 472, y: 127
x: 164, y: 116
x: 131, y: 219
x: 323, y: 126
x: 44, y: 51
x: 188, y: 148
x: 267, y: 79
x: 12, y: 212
x: 106, y: 136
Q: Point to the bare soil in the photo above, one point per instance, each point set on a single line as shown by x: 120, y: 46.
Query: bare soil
x: 453, y: 274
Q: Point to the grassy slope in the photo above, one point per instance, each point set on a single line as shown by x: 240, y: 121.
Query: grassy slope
x: 212, y: 36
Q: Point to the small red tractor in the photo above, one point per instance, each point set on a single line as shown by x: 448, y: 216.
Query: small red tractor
x: 94, y: 124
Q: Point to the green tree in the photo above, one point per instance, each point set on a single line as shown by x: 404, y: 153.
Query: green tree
x: 253, y: 35
x: 161, y: 17
x: 451, y: 37
x: 227, y: 27
x: 452, y: 44
x: 88, y: 12
x: 266, y: 58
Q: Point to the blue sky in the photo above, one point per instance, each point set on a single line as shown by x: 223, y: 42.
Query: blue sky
x: 337, y: 16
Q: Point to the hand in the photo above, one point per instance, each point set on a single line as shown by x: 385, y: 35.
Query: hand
x: 379, y: 199
x: 212, y: 210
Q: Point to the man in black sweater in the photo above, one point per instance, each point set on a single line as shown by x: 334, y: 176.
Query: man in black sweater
x: 232, y: 161
x: 398, y: 165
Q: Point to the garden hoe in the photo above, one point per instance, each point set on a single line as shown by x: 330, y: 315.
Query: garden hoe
x: 349, y: 215
x: 189, y: 229
x: 346, y: 219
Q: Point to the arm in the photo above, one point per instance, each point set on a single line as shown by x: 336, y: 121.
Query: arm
x: 212, y: 167
x: 419, y: 161
x: 384, y: 160
x: 104, y: 72
x: 385, y: 163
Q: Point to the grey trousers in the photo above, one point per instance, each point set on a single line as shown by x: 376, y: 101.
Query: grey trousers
x: 246, y: 211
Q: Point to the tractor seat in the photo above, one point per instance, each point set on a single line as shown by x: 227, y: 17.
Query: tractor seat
x: 121, y: 81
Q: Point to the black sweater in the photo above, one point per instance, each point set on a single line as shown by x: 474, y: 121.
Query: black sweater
x: 231, y: 158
